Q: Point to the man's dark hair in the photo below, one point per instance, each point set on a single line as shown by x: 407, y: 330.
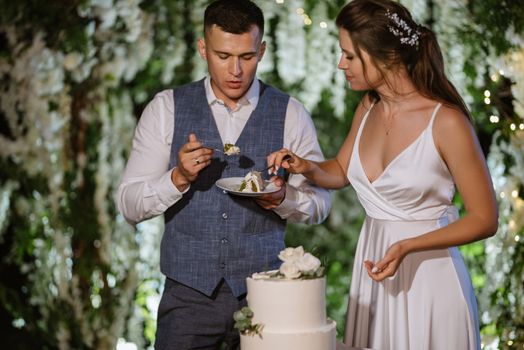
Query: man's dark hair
x: 234, y: 16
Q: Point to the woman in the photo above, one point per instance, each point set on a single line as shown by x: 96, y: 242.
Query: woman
x: 410, y: 144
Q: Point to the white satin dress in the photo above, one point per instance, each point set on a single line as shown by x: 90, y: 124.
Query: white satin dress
x: 429, y: 303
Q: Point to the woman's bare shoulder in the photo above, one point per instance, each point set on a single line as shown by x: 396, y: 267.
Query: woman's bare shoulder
x: 453, y: 131
x: 451, y: 119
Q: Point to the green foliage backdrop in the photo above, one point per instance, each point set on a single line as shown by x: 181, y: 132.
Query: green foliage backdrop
x: 75, y: 76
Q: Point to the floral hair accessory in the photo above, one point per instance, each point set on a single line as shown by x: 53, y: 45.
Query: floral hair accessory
x: 402, y: 30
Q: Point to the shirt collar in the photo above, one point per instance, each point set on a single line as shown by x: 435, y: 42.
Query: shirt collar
x: 251, y: 97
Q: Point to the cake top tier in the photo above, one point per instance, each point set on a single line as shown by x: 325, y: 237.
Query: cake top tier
x: 296, y: 264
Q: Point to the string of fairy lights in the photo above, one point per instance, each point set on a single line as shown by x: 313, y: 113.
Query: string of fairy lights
x: 487, y: 100
x: 305, y: 17
x: 514, y: 194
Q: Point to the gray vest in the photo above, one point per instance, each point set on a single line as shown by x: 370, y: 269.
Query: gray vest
x: 211, y: 235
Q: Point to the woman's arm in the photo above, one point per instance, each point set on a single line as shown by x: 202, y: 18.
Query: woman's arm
x: 331, y: 173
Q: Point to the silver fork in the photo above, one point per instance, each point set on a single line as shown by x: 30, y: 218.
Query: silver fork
x: 217, y: 150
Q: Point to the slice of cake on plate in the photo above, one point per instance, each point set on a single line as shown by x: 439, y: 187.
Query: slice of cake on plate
x: 252, y: 182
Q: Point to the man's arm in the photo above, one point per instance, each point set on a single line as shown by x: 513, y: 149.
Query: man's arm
x: 303, y: 202
x: 146, y: 189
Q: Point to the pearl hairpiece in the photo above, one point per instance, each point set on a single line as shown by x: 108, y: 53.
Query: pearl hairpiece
x: 407, y: 35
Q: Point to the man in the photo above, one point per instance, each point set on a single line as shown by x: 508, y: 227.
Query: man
x: 213, y: 240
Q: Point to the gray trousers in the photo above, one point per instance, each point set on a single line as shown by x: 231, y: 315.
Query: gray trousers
x: 188, y: 319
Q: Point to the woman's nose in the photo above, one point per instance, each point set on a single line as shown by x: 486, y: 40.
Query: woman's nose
x: 342, y: 63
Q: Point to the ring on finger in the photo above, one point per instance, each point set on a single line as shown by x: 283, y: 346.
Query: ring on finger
x: 196, y: 161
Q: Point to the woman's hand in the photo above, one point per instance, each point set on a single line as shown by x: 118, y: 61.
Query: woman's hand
x: 288, y: 160
x: 389, y: 264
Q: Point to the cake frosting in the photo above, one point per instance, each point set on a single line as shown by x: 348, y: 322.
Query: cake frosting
x: 289, y: 313
x: 252, y: 182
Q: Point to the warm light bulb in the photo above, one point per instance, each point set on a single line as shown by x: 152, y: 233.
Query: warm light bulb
x: 324, y: 26
x: 487, y: 93
x: 487, y: 101
x: 300, y: 11
x: 513, y: 127
x: 494, y: 119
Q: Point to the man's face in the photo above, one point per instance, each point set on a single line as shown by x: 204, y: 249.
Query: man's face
x: 232, y: 61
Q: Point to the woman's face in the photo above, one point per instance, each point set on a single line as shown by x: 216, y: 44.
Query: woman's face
x: 353, y: 66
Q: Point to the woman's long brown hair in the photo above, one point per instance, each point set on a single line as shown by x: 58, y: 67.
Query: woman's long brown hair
x: 369, y: 27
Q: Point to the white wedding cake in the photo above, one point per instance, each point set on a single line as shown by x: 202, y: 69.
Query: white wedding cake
x: 286, y: 308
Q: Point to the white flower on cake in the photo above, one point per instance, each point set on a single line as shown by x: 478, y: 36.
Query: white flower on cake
x: 291, y: 254
x: 290, y: 270
x: 263, y: 275
x: 230, y: 149
x: 308, y: 264
x: 252, y: 182
x: 296, y: 264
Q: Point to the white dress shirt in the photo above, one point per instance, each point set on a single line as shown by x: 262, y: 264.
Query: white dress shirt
x: 146, y: 189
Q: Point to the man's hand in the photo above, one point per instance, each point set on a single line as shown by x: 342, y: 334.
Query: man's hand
x: 272, y: 200
x: 192, y: 158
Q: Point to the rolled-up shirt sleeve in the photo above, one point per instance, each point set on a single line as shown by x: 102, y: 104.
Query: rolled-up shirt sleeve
x: 304, y: 202
x: 146, y: 189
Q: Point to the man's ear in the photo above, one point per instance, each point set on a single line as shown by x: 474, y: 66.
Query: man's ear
x: 202, y: 48
x: 262, y: 50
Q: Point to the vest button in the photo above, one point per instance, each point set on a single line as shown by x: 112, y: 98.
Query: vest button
x: 224, y: 216
x: 224, y: 240
x: 222, y: 265
x: 224, y: 191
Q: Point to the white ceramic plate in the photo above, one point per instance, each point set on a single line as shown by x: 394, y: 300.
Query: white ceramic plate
x: 232, y: 184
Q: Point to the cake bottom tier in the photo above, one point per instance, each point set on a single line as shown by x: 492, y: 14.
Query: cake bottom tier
x: 322, y: 339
